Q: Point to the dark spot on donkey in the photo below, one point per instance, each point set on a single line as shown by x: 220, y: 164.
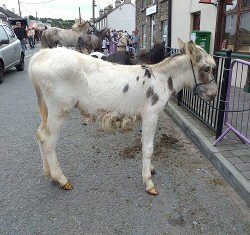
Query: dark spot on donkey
x: 155, y: 99
x: 171, y: 86
x: 125, y: 89
x: 170, y: 83
x: 147, y: 71
x: 150, y: 93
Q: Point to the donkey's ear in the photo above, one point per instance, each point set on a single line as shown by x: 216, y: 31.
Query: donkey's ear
x: 193, y: 52
x: 182, y: 45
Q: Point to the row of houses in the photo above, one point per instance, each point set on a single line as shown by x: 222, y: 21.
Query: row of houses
x: 9, y: 17
x: 219, y: 24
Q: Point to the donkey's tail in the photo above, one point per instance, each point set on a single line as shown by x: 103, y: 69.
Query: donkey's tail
x: 42, y: 107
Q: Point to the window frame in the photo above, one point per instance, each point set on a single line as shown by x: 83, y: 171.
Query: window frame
x: 238, y: 10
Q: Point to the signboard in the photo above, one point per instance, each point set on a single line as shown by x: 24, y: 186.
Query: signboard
x: 228, y: 2
x: 206, y: 1
x: 151, y: 10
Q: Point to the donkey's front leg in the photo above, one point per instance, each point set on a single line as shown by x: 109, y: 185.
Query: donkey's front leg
x: 149, y: 123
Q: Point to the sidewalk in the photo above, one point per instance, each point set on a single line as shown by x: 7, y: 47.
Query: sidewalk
x: 230, y: 157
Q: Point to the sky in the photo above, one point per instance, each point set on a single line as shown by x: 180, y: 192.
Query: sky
x: 65, y: 9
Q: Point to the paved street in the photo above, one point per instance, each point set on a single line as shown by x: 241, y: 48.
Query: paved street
x: 108, y: 195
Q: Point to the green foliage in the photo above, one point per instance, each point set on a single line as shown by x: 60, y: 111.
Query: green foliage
x: 59, y: 23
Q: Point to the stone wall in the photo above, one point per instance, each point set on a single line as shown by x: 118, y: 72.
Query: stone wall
x: 141, y: 19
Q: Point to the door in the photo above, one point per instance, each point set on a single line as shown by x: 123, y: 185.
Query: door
x: 14, y: 43
x: 7, y: 51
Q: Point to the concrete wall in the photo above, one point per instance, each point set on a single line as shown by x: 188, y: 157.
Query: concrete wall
x: 122, y: 18
x: 182, y: 20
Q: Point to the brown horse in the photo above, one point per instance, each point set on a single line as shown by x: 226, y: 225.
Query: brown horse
x: 53, y: 36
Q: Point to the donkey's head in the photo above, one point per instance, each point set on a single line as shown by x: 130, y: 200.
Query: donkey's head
x: 201, y: 64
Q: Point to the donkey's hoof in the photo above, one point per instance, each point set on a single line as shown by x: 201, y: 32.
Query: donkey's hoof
x: 152, y: 191
x: 68, y: 186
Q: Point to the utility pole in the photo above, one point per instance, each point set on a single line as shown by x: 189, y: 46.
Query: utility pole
x: 93, y: 9
x: 20, y: 13
x: 80, y: 18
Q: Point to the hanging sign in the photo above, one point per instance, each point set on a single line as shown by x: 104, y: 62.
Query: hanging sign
x: 151, y: 10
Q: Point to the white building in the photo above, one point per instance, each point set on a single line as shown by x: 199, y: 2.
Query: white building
x: 192, y: 15
x: 122, y: 17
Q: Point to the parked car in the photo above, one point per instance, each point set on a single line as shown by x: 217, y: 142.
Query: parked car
x: 11, y: 52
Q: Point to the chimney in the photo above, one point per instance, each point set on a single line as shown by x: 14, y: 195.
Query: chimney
x: 13, y: 10
x: 106, y: 10
x: 117, y: 3
x: 101, y: 12
x: 4, y: 7
x: 110, y: 7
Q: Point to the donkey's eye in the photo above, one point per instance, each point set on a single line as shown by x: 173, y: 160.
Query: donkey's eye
x: 206, y: 69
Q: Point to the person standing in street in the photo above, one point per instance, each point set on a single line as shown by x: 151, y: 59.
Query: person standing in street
x: 21, y: 34
x: 136, y: 41
x: 122, y: 42
x: 31, y: 34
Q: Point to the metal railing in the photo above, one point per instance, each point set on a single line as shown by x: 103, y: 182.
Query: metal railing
x: 230, y: 107
x: 212, y: 113
x: 237, y: 110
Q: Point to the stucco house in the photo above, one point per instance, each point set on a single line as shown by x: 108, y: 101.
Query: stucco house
x: 121, y: 17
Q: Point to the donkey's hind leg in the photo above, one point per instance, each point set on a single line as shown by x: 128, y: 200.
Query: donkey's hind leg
x: 48, y: 145
x: 40, y: 139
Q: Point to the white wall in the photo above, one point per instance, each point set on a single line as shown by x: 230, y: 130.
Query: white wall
x: 122, y: 18
x: 182, y: 20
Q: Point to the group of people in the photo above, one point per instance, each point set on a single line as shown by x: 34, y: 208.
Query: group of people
x: 26, y: 36
x: 122, y: 42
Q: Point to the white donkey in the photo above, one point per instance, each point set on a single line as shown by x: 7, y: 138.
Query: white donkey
x: 64, y: 79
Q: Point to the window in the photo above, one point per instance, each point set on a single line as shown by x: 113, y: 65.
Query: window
x: 245, y: 3
x: 237, y: 26
x: 244, y: 32
x: 164, y: 30
x: 144, y: 4
x: 196, y: 20
x: 3, y: 35
x: 230, y: 29
x: 9, y: 31
x: 144, y: 36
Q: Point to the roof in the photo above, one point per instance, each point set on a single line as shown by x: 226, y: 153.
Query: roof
x: 9, y: 13
x: 105, y: 15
